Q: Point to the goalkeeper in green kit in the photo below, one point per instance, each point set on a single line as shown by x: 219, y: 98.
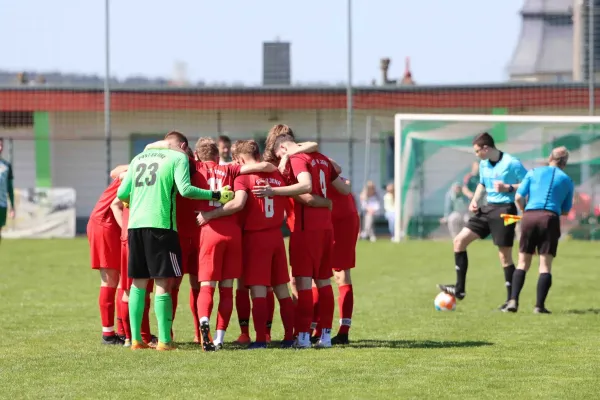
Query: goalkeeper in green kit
x: 153, y: 179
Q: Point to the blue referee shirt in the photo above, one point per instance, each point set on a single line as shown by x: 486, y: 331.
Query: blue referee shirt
x: 507, y: 169
x: 548, y: 188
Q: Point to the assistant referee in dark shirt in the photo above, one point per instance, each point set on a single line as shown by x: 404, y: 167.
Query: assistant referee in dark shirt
x: 548, y: 192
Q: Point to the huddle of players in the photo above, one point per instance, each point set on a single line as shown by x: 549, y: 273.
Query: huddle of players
x: 213, y: 241
x: 543, y: 194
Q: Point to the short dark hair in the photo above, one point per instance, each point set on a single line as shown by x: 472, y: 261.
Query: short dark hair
x: 484, y: 139
x: 282, y: 139
x: 179, y: 136
x: 224, y: 139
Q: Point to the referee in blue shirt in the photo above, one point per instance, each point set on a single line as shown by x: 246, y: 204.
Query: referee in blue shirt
x: 550, y: 194
x: 499, y: 176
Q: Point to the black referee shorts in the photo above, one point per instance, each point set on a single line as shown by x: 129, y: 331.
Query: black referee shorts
x: 487, y: 220
x: 153, y: 253
x: 540, y: 231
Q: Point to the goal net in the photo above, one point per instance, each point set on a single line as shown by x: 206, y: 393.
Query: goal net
x: 434, y: 154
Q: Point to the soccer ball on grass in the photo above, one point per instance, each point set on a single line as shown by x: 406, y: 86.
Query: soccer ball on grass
x: 444, y: 302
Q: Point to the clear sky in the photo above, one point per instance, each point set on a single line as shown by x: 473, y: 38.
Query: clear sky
x: 449, y: 42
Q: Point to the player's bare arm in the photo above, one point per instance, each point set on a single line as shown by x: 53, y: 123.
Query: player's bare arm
x: 262, y: 166
x: 314, y: 201
x: 305, y: 147
x: 341, y: 186
x: 234, y: 206
x: 521, y: 202
x: 476, y: 197
x: 336, y: 166
x: 117, y: 209
x: 303, y: 186
x: 118, y: 170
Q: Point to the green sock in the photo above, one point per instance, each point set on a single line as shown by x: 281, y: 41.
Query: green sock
x: 137, y: 300
x: 163, y: 307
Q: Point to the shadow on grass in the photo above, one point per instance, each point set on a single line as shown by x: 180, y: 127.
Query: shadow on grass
x: 415, y: 344
x: 582, y: 312
x: 365, y: 344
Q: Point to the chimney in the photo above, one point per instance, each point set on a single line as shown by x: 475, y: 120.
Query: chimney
x: 407, y: 78
x: 385, y: 66
x: 22, y: 78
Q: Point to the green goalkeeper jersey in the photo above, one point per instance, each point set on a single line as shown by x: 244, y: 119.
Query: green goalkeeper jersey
x: 151, y: 184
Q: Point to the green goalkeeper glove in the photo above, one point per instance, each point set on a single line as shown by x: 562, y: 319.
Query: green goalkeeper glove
x: 226, y: 194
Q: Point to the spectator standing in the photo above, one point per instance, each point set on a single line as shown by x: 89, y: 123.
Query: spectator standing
x: 455, y: 209
x: 371, y: 205
x: 389, y: 208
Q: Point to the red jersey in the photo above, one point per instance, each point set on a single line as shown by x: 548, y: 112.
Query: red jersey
x: 343, y: 204
x: 187, y: 209
x: 124, y: 224
x: 262, y: 213
x: 212, y: 176
x: 322, y: 173
x: 102, y: 214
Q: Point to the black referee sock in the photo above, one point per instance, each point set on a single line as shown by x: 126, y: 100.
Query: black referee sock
x: 461, y: 261
x: 518, y: 280
x: 508, y: 278
x: 543, y: 287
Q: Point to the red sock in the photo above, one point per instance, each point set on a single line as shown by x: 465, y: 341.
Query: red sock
x: 125, y: 319
x: 145, y: 331
x: 120, y: 328
x: 242, y: 305
x: 326, y: 307
x: 286, y: 310
x: 205, y: 301
x: 194, y: 308
x: 316, y: 313
x: 259, y: 316
x: 270, y: 310
x: 345, y: 304
x: 225, y: 308
x: 106, y: 301
x: 304, y: 311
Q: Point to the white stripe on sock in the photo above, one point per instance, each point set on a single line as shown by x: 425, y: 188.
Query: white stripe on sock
x: 108, y: 329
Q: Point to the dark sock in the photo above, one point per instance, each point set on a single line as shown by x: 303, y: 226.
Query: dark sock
x: 462, y: 263
x: 508, y: 278
x: 518, y: 280
x: 543, y: 287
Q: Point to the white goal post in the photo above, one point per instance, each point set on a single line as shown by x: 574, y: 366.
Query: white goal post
x: 453, y: 132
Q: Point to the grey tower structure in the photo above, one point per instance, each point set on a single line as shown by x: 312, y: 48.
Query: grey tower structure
x: 276, y: 63
x: 547, y: 48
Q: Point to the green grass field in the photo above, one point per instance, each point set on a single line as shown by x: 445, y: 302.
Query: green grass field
x: 402, y: 348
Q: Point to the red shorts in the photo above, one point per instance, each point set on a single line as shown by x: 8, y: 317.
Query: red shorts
x: 311, y: 253
x: 189, y: 254
x: 220, y: 254
x: 345, y: 236
x: 124, y: 280
x: 265, y: 262
x: 105, y: 246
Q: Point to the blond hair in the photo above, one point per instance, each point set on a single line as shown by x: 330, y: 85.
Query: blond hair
x: 559, y: 156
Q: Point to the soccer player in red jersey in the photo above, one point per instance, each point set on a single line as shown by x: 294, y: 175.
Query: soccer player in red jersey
x: 265, y: 262
x: 346, y: 227
x: 105, y: 248
x: 220, y: 253
x: 311, y: 242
